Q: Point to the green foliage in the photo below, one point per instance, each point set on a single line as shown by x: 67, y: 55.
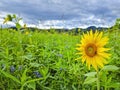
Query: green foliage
x: 91, y: 74
x: 116, y: 25
x: 15, y: 19
x: 90, y: 80
x: 10, y: 76
x: 110, y: 68
x: 43, y: 60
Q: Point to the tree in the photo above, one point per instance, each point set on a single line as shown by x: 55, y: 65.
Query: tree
x: 117, y: 24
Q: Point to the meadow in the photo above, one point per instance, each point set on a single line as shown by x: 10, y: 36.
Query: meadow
x: 42, y: 60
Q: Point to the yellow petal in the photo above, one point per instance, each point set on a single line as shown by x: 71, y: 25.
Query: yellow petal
x: 102, y: 49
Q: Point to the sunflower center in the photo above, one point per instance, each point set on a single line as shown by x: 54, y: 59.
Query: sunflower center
x: 91, y: 49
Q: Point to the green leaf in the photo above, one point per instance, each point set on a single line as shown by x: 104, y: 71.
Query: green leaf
x: 10, y: 76
x: 110, y: 68
x: 14, y: 16
x: 114, y: 85
x: 74, y: 88
x: 9, y: 18
x: 30, y: 81
x: 18, y: 26
x: 32, y: 85
x: 24, y: 77
x: 44, y: 71
x: 34, y: 64
x: 90, y: 74
x: 90, y: 80
x: 109, y: 80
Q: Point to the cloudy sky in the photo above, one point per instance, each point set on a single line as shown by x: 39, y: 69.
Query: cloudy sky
x: 62, y: 13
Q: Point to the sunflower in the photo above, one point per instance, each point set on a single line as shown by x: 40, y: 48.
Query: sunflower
x: 92, y: 49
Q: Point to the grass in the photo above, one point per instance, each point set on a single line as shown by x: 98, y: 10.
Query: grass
x: 45, y: 61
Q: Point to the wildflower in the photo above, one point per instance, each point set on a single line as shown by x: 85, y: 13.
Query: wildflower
x: 92, y: 49
x: 27, y: 33
x: 12, y: 68
x: 38, y: 75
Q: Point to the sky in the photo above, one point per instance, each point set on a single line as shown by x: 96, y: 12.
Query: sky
x: 62, y: 13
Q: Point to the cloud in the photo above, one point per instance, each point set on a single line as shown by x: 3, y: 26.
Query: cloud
x: 74, y: 13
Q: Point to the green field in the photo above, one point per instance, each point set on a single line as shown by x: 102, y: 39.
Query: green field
x: 46, y: 61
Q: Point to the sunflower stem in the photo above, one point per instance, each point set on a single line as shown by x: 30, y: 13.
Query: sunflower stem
x: 98, y: 82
